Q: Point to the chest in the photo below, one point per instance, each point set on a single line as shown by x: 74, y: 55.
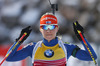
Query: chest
x: 49, y: 53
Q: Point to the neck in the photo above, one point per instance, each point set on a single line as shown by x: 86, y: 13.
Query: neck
x: 50, y: 42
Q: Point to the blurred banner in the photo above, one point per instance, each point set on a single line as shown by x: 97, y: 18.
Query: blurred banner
x: 3, y: 51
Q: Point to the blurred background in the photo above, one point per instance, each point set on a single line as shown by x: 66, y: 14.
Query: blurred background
x: 18, y: 14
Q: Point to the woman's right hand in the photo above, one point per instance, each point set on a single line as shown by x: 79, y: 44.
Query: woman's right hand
x: 25, y: 30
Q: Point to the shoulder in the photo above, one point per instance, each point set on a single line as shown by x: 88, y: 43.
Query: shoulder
x: 32, y: 44
x: 69, y: 45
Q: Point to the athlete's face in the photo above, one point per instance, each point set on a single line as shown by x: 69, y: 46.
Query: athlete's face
x: 49, y: 32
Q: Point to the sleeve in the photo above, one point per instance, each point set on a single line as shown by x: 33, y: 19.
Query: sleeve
x: 71, y: 49
x: 76, y: 52
x: 84, y: 54
x: 21, y: 54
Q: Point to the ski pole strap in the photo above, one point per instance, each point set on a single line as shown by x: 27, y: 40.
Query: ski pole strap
x: 87, y: 47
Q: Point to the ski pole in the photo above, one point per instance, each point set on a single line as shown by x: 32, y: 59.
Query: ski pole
x: 79, y: 32
x: 18, y: 42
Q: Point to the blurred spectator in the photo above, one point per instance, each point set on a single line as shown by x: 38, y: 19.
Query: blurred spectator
x: 16, y: 14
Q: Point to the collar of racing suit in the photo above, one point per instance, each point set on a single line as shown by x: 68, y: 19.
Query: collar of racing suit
x: 51, y: 43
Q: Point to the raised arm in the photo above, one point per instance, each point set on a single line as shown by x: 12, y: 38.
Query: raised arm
x: 21, y: 54
x: 88, y: 54
x: 13, y: 53
x: 85, y: 54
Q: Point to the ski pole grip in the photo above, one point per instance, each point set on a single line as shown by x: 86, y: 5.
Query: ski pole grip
x: 18, y: 42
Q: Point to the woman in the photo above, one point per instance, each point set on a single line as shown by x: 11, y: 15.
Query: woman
x: 51, y: 50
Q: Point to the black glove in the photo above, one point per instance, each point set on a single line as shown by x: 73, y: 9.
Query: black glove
x: 76, y: 27
x: 27, y: 30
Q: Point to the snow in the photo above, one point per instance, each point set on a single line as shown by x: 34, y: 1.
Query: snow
x: 12, y: 10
x: 30, y: 16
